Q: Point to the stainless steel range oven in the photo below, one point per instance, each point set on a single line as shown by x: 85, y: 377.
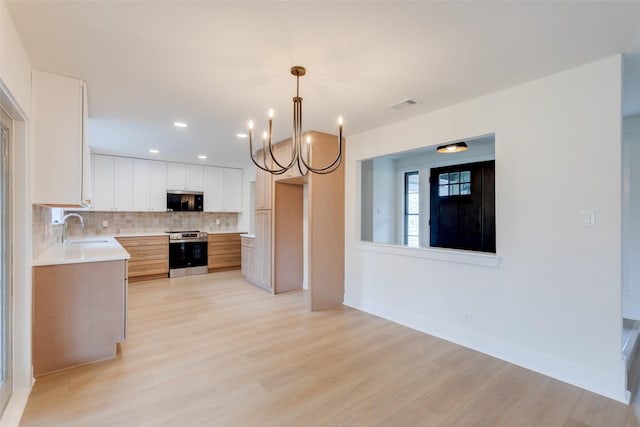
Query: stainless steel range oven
x: 187, y: 253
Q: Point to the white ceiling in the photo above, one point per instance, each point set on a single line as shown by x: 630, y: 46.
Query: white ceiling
x: 216, y: 65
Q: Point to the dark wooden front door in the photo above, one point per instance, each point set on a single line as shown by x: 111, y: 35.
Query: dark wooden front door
x: 463, y: 207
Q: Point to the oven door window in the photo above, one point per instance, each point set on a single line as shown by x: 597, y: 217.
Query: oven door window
x: 187, y: 254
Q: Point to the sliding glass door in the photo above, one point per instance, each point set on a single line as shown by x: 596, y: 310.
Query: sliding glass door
x: 5, y: 263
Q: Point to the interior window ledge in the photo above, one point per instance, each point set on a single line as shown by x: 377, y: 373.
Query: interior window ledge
x: 438, y: 254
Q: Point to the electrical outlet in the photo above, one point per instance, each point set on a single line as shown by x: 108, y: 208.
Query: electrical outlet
x: 217, y: 221
x: 105, y: 223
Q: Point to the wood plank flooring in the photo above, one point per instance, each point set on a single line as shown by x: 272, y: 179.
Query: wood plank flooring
x: 212, y: 350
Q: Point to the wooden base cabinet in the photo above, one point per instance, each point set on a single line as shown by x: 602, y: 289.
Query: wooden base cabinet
x: 149, y: 257
x: 263, y: 249
x: 248, y: 258
x: 79, y: 314
x: 224, y: 252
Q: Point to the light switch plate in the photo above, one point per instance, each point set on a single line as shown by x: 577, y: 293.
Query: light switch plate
x: 587, y: 218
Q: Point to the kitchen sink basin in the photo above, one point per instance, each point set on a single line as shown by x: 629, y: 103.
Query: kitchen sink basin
x: 87, y: 242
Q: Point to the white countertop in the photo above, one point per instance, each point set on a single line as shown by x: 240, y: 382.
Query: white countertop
x: 155, y: 233
x: 92, y: 249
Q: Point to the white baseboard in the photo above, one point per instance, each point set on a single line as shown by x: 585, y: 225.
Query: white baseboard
x: 605, y: 384
x: 13, y: 412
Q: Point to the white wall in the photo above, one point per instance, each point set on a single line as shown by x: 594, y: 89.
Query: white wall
x: 15, y: 97
x: 553, y: 304
x: 384, y: 201
x: 631, y: 218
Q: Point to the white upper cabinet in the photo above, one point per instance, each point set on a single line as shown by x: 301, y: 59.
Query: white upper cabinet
x: 231, y: 190
x: 59, y: 135
x: 222, y: 189
x: 112, y: 183
x: 183, y: 177
x: 212, y: 189
x: 149, y: 185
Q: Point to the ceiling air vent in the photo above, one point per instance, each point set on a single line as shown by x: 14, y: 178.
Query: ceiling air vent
x: 405, y: 103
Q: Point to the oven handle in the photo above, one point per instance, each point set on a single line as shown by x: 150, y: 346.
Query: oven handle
x: 189, y: 241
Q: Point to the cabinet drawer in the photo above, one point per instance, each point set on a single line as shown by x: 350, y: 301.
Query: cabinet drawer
x: 248, y: 242
x: 224, y: 261
x: 144, y: 268
x: 224, y: 249
x: 128, y: 242
x: 220, y: 238
x: 148, y: 252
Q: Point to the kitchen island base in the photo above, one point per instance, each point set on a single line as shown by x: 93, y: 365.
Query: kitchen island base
x: 79, y: 314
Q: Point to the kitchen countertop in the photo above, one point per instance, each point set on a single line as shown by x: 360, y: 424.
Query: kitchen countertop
x: 92, y: 249
x: 158, y: 233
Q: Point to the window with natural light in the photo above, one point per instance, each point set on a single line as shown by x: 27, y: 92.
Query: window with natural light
x: 412, y: 209
x: 425, y: 199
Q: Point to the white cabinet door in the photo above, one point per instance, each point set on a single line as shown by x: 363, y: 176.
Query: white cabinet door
x: 141, y: 184
x: 195, y: 178
x: 59, y: 143
x: 212, y: 189
x: 181, y: 177
x: 176, y: 176
x: 231, y: 190
x: 157, y: 186
x: 102, y: 180
x: 112, y: 183
x: 149, y: 185
x: 123, y: 184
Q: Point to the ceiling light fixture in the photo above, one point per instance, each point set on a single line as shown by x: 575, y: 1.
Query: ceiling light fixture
x: 452, y: 148
x: 297, y: 157
x: 202, y: 157
x: 154, y: 151
x: 180, y: 124
x: 241, y: 135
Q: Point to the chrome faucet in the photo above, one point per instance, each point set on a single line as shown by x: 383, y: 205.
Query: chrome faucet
x: 64, y: 224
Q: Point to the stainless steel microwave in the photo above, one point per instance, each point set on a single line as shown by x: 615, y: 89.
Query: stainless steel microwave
x: 185, y: 201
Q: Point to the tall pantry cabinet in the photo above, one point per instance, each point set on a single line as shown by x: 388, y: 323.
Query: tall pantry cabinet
x: 262, y: 245
x: 300, y: 218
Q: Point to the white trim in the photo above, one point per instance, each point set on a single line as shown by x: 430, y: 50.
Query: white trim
x: 437, y: 254
x: 582, y: 376
x: 13, y: 412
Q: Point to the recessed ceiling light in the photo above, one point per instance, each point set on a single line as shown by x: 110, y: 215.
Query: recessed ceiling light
x: 241, y: 135
x: 154, y: 151
x: 180, y: 124
x: 202, y: 157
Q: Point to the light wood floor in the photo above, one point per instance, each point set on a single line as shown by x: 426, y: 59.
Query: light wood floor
x: 213, y: 350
